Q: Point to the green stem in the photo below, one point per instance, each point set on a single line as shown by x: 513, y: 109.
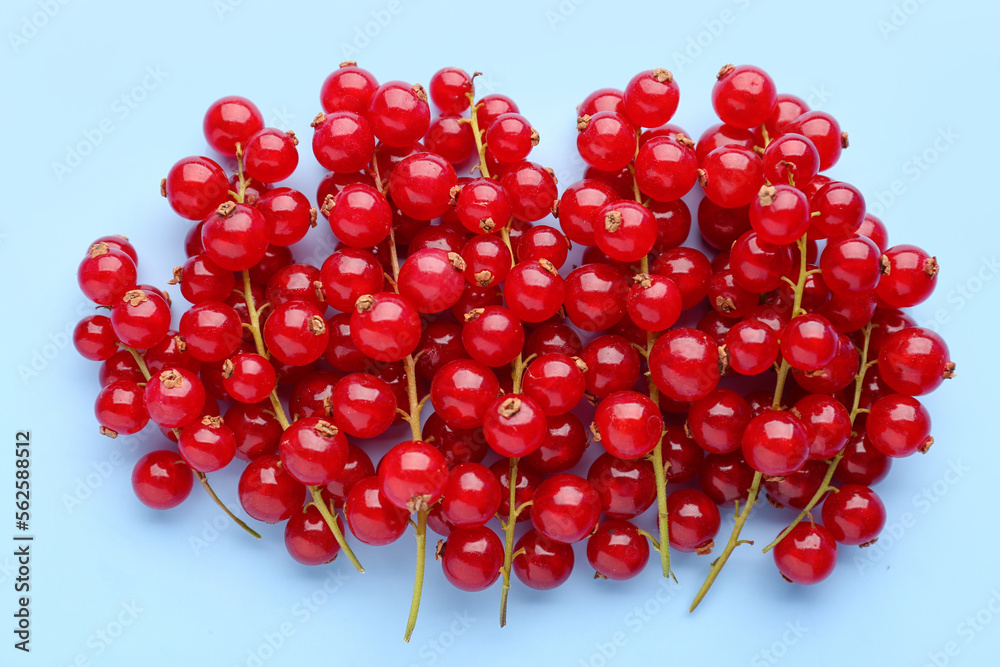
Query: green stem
x: 331, y: 521
x: 418, y: 579
x: 508, y: 529
x: 742, y: 516
x: 831, y: 467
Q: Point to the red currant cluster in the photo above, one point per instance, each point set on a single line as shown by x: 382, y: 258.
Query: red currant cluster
x: 443, y: 290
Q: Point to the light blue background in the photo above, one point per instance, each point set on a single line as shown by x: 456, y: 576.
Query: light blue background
x: 906, y: 79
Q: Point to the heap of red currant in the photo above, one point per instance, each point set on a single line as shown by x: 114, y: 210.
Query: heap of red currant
x: 777, y: 362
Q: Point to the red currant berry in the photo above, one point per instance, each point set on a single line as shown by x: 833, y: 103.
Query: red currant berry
x: 207, y: 445
x: 617, y: 550
x: 255, y: 427
x: 899, y: 426
x: 534, y: 291
x: 348, y: 274
x: 492, y: 335
x: 809, y: 342
x: 161, y: 480
x: 786, y: 109
x: 450, y: 88
x: 412, y: 475
x: 106, y: 274
x: 689, y: 269
x: 195, y: 186
x: 850, y: 264
x: 94, y: 338
x: 654, y: 302
x: 431, y: 279
x: 685, y: 365
x: 757, y: 265
x: 462, y: 391
x: 838, y: 210
x: 579, y: 209
x: 731, y: 176
x: 909, y: 275
x: 665, y: 169
x: 612, y: 365
x: 511, y: 137
x: 313, y: 451
x: 751, y: 347
x: 174, y: 398
x: 565, y: 508
x: 650, y: 98
x: 717, y: 421
x: 780, y: 214
x: 268, y: 492
x: 595, y: 296
x: 421, y: 185
x: 628, y: 232
x: 725, y: 477
x: 120, y: 408
x: 343, y: 141
x: 628, y: 424
x: 693, y: 521
x: 371, y: 517
x: 471, y: 495
x: 807, y: 554
x: 249, y: 377
x: 385, y: 326
x: 775, y: 444
x: 824, y: 132
x: 472, y: 558
x: 915, y: 361
x: 271, y: 155
x: 827, y: 424
x: 211, y: 331
x: 606, y: 140
x: 562, y: 447
x: 230, y: 121
x: 308, y: 539
x: 235, y: 236
x: 541, y: 563
x: 875, y: 229
x: 399, y: 113
x: 743, y: 96
x: 514, y: 425
x: 556, y: 382
x: 362, y: 405
x: 532, y: 189
x: 626, y: 488
x: 854, y: 515
x: 295, y: 333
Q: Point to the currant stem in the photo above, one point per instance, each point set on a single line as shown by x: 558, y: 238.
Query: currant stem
x: 477, y: 133
x: 659, y: 471
x: 508, y: 529
x: 742, y: 516
x: 413, y: 414
x: 203, y: 478
x: 282, y: 417
x: 331, y: 521
x: 835, y: 461
x: 418, y: 579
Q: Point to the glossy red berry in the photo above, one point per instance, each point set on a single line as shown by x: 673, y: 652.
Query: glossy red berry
x: 827, y: 424
x: 693, y: 521
x: 510, y: 137
x: 915, y: 361
x: 249, y: 377
x: 617, y: 550
x: 780, y: 214
x: 595, y: 296
x: 743, y: 96
x: 838, y: 210
x: 472, y: 558
x: 421, y: 184
x: 371, y: 517
x: 791, y: 159
x: 343, y: 141
x: 579, y: 209
x: 565, y: 508
x: 689, y: 269
x: 348, y: 274
x: 628, y: 231
x: 483, y: 205
x: 751, y: 347
x: 271, y: 155
x: 161, y: 480
x: 650, y: 98
x: 385, y: 326
x: 313, y: 451
x: 899, y: 426
x: 308, y: 538
x: 665, y: 169
x: 399, y: 113
x: 807, y: 554
x: 909, y: 275
x: 120, y: 408
x: 541, y: 563
x: 105, y: 274
x: 532, y: 189
x: 462, y: 391
x: 450, y: 88
x: 195, y: 186
x: 851, y: 264
x: 362, y: 405
x: 854, y: 515
x: 654, y: 302
x: 562, y: 447
x: 626, y: 488
x: 296, y: 333
x: 230, y: 121
x: 556, y: 382
x: 348, y: 88
x: 809, y: 342
x: 628, y: 424
x: 514, y: 425
x: 717, y: 421
x: 824, y: 132
x: 207, y: 445
x: 268, y: 492
x: 432, y: 280
x: 534, y: 291
x: 140, y: 319
x: 471, y: 495
x: 412, y: 475
x: 774, y: 443
x: 94, y: 338
x: 725, y: 477
x: 685, y: 364
x: 606, y: 140
x: 731, y: 177
x: 757, y: 265
x: 612, y: 365
x: 174, y: 398
x: 235, y: 236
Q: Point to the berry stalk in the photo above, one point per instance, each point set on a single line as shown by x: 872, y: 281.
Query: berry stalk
x: 202, y: 477
x: 279, y: 412
x: 835, y: 461
x: 742, y: 515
